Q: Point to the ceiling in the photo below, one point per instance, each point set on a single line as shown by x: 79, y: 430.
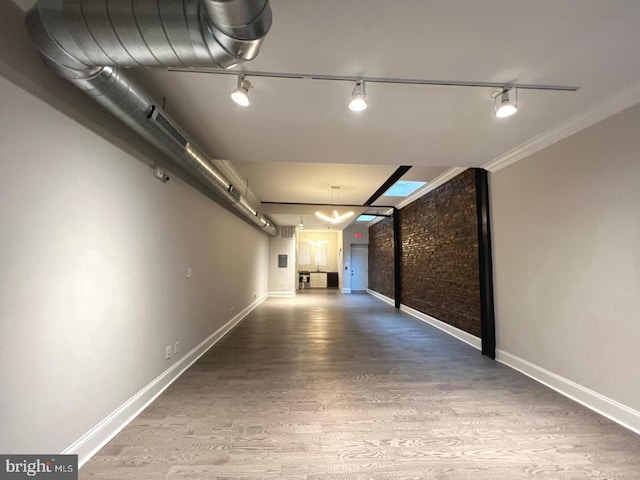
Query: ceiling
x: 299, y: 182
x: 298, y: 138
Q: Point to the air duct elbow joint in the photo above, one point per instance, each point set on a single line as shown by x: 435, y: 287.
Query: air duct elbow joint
x: 233, y: 30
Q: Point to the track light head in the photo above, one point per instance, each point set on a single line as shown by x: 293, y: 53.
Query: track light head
x: 504, y: 106
x: 241, y: 94
x: 358, y: 97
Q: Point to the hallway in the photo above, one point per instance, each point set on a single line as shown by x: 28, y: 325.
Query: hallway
x: 333, y: 386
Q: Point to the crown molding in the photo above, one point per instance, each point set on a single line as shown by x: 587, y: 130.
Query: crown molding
x: 421, y: 192
x: 431, y: 186
x: 377, y: 219
x: 590, y: 116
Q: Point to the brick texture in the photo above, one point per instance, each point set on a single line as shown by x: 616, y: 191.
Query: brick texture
x: 381, y: 258
x: 439, y: 266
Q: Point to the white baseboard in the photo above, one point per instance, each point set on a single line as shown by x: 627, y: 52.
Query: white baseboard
x: 467, y: 338
x: 382, y: 297
x: 615, y: 411
x: 619, y: 413
x: 96, y: 438
x: 286, y: 294
x: 346, y: 290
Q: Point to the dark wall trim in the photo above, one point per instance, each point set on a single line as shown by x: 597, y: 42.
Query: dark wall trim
x: 395, y: 176
x: 397, y: 257
x: 328, y: 204
x: 487, y: 316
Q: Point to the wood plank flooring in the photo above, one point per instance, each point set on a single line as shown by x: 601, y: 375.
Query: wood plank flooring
x: 332, y: 386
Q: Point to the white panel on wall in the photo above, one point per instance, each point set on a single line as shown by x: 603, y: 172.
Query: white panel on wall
x: 321, y: 254
x: 324, y: 246
x: 304, y: 253
x: 282, y: 280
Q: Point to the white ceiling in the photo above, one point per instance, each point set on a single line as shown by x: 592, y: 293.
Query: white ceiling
x: 592, y: 44
x: 298, y: 182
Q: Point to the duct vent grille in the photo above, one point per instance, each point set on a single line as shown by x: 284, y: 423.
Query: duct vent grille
x: 166, y: 125
x: 234, y: 193
x: 287, y: 232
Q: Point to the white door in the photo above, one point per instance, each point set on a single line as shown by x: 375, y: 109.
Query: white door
x: 359, y: 268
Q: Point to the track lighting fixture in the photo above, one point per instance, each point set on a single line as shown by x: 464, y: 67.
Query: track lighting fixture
x: 301, y: 224
x: 241, y: 94
x: 358, y: 101
x: 336, y: 218
x: 504, y: 106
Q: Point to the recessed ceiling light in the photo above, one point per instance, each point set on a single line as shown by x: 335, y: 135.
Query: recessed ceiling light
x: 365, y: 218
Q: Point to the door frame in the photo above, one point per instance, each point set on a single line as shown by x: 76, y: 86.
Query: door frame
x: 360, y: 247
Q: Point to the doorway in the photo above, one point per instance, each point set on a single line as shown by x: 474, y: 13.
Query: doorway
x: 359, y: 268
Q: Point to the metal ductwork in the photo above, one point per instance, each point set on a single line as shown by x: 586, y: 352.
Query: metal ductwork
x: 89, y: 42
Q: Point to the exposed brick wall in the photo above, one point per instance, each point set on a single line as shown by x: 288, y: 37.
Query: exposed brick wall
x: 381, y: 257
x: 439, y: 254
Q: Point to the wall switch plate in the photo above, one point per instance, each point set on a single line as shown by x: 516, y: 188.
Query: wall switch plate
x: 176, y: 347
x: 189, y: 272
x: 167, y: 354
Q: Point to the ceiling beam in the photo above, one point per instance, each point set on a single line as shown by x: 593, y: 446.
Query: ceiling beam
x: 328, y: 204
x: 395, y: 176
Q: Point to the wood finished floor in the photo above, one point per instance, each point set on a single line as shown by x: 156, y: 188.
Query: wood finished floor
x: 331, y: 386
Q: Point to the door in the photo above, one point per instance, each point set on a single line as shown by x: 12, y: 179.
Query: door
x: 359, y: 268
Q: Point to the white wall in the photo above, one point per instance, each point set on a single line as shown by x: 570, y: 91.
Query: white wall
x: 92, y: 270
x: 334, y: 244
x: 282, y: 281
x: 566, y: 239
x: 349, y: 238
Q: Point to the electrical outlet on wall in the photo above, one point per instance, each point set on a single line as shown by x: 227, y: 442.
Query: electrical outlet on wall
x: 176, y: 347
x: 167, y: 352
